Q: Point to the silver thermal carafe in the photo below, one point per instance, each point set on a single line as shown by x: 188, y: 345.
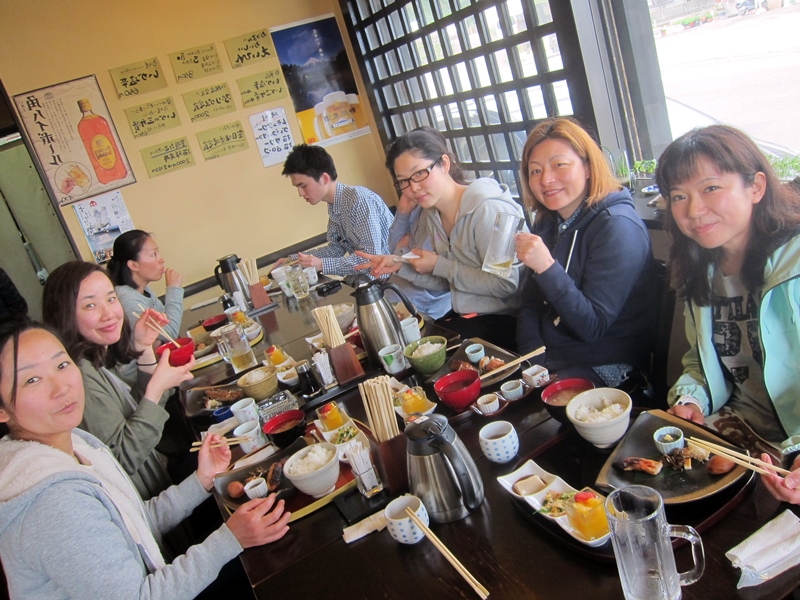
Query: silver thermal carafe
x: 377, y: 321
x: 441, y: 472
x: 230, y: 278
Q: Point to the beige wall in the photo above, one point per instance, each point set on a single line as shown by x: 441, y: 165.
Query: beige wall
x: 198, y: 214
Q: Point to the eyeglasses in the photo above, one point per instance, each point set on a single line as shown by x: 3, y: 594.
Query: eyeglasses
x: 417, y: 177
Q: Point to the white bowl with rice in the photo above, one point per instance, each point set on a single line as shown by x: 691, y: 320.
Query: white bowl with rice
x: 427, y: 355
x: 314, y: 469
x: 601, y: 416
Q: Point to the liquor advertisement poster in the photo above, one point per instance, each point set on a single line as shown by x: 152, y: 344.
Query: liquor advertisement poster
x: 75, y: 139
x: 103, y: 218
x: 320, y: 80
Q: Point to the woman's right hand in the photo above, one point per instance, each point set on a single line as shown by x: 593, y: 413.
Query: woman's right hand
x: 145, y: 336
x: 173, y: 278
x: 379, y: 264
x: 259, y: 522
x: 165, y: 377
x: 690, y: 412
x: 533, y: 252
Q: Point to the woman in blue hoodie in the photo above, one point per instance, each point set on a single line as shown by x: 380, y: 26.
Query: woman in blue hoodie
x: 590, y: 299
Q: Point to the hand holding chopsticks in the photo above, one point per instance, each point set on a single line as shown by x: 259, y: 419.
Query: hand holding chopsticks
x: 223, y: 442
x: 468, y: 577
x: 151, y: 323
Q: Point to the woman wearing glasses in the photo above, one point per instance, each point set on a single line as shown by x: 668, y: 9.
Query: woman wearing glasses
x: 458, y: 219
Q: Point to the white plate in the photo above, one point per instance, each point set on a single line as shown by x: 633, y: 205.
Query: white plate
x: 650, y: 189
x: 555, y: 484
x: 328, y: 436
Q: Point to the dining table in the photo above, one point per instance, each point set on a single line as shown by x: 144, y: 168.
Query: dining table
x: 501, y: 543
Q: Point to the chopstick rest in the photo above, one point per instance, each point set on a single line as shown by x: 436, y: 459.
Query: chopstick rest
x: 769, y: 551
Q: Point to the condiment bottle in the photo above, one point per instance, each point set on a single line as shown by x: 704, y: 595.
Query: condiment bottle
x: 227, y: 302
x: 310, y: 386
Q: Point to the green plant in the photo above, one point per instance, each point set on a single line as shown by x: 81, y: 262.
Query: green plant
x: 644, y: 168
x: 786, y: 167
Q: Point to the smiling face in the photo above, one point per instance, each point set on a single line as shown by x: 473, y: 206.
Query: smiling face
x: 557, y: 176
x: 97, y: 312
x: 148, y: 266
x: 312, y: 190
x: 714, y: 208
x: 429, y: 191
x: 49, y: 397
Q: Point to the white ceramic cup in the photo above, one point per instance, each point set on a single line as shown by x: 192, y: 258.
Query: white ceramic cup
x: 252, y: 431
x: 512, y: 390
x: 256, y: 488
x: 392, y: 359
x: 488, y: 403
x: 311, y: 275
x: 400, y: 526
x: 286, y: 288
x: 475, y: 352
x: 536, y: 376
x: 245, y: 410
x: 279, y: 274
x: 410, y: 327
x: 499, y: 441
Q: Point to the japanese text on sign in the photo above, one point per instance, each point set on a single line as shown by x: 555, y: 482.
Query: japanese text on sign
x: 195, y: 63
x: 167, y: 157
x: 261, y: 88
x: 273, y: 136
x: 223, y: 140
x: 138, y: 78
x: 250, y: 48
x: 209, y: 102
x: 152, y: 117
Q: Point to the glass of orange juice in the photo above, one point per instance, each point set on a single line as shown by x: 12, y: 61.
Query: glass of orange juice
x: 276, y: 355
x: 331, y: 416
x: 413, y: 400
x: 586, y: 514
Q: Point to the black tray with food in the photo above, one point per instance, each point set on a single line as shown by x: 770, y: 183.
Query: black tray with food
x: 205, y: 400
x: 579, y: 463
x: 460, y: 360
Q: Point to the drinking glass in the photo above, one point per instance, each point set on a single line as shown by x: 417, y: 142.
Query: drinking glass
x: 298, y: 282
x: 500, y: 254
x: 237, y: 347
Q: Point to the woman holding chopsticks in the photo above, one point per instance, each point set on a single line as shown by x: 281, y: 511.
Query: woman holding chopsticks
x: 735, y: 259
x: 126, y: 387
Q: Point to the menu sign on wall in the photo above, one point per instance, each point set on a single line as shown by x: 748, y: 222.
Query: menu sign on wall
x: 273, y: 136
x: 223, y: 140
x: 197, y: 62
x: 152, y: 117
x: 209, y: 102
x: 138, y: 78
x: 250, y: 48
x: 261, y: 88
x: 167, y: 157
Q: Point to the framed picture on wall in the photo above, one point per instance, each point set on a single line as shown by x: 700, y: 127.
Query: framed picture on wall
x: 75, y: 140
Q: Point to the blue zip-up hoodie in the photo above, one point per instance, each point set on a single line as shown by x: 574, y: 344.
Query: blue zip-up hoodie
x: 596, y: 305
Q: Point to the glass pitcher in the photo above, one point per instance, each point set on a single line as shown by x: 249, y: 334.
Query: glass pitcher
x: 237, y: 347
x: 298, y: 282
x: 501, y: 252
x: 641, y: 536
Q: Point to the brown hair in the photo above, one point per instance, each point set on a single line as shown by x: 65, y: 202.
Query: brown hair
x: 601, y: 180
x: 59, y: 305
x: 774, y: 220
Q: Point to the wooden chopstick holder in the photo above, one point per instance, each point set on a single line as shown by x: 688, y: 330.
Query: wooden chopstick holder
x: 514, y: 363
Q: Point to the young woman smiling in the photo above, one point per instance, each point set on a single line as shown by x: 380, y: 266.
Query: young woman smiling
x: 71, y: 523
x: 590, y: 300
x: 125, y: 385
x: 136, y: 263
x: 735, y: 259
x: 458, y: 219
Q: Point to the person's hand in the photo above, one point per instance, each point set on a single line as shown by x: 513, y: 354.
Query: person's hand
x: 173, y: 278
x: 405, y: 205
x: 784, y: 489
x: 278, y: 263
x: 426, y: 261
x: 211, y: 461
x: 309, y: 260
x: 533, y: 252
x: 378, y: 264
x: 259, y: 522
x: 690, y: 412
x: 145, y: 336
x: 165, y: 377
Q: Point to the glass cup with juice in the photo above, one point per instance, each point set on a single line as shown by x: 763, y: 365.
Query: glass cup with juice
x: 331, y: 416
x: 587, y: 515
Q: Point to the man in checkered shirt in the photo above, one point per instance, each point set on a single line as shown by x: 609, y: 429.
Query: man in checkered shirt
x: 357, y: 217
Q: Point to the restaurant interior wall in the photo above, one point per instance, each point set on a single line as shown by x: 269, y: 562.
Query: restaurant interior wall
x: 200, y: 213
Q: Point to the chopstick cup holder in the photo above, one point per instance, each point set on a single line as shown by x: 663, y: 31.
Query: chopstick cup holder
x: 258, y: 295
x: 390, y: 460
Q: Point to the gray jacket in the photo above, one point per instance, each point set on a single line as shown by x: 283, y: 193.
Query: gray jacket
x: 458, y: 267
x: 61, y: 536
x: 173, y: 297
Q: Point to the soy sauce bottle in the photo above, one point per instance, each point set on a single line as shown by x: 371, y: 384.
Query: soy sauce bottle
x: 309, y: 384
x: 227, y: 302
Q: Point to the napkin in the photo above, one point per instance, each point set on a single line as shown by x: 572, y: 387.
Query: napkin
x: 372, y: 523
x: 769, y: 551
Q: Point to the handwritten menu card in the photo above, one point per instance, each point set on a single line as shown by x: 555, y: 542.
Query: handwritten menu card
x: 167, y: 157
x: 152, y: 117
x: 273, y: 136
x: 223, y: 140
x: 209, y: 102
x: 250, y: 48
x: 138, y: 78
x: 197, y: 62
x: 261, y: 88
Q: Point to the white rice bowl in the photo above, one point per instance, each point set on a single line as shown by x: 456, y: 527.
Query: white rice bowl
x: 425, y: 349
x: 601, y: 416
x: 314, y: 469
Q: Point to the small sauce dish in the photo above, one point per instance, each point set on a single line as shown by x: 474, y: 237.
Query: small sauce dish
x: 475, y: 352
x: 512, y: 390
x: 668, y: 439
x: 488, y: 403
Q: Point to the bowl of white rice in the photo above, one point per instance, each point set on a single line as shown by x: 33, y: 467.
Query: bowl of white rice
x: 314, y: 469
x: 427, y: 355
x: 601, y: 415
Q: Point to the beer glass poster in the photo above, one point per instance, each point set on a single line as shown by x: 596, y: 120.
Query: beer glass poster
x: 75, y: 139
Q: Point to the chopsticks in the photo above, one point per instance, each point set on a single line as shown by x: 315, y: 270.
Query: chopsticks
x: 328, y: 325
x: 250, y: 270
x: 755, y: 464
x: 225, y: 442
x: 156, y: 327
x: 378, y: 399
x: 514, y: 363
x: 468, y: 577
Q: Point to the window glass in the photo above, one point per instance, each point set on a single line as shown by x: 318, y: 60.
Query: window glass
x: 526, y: 60
x: 513, y: 112
x: 492, y: 20
x: 482, y: 71
x: 444, y: 79
x: 380, y: 67
x: 518, y: 138
x: 503, y: 66
x: 442, y: 8
x: 422, y: 117
x: 436, y: 46
x: 383, y: 31
x: 394, y: 64
x: 414, y: 89
x: 461, y: 4
x: 410, y: 121
x: 462, y: 151
x: 550, y: 44
x: 402, y: 94
x: 426, y: 12
x: 396, y: 23
x: 516, y: 16
x: 430, y: 86
x: 454, y: 116
x: 470, y: 27
x: 451, y: 35
x: 388, y: 94
x: 499, y: 146
x: 419, y: 52
x: 471, y: 111
x: 536, y: 101
x: 411, y: 17
x: 563, y: 101
x: 397, y: 124
x: 542, y: 12
x: 363, y: 8
x: 406, y: 61
x: 490, y: 113
x: 508, y: 177
x: 372, y: 38
x: 462, y: 77
x: 438, y: 117
x: 480, y: 148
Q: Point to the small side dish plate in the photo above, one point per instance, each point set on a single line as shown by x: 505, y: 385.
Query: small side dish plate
x: 650, y: 189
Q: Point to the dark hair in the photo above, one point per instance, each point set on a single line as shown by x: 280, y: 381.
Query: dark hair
x: 311, y: 161
x: 126, y: 247
x: 601, y: 180
x: 428, y: 143
x: 59, y: 306
x: 775, y: 218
